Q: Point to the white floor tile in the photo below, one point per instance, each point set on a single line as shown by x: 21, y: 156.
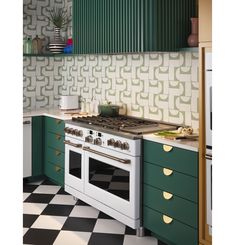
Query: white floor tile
x: 25, y: 195
x: 47, y: 189
x: 109, y: 226
x: 49, y: 222
x: 84, y: 211
x: 25, y: 230
x: 147, y: 240
x: 33, y: 208
x: 63, y: 199
x: 72, y: 238
x: 35, y: 182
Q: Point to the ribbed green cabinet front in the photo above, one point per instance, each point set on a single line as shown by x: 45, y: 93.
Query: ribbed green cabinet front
x: 120, y: 26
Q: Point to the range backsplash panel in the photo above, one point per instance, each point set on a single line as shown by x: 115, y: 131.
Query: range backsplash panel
x: 161, y: 86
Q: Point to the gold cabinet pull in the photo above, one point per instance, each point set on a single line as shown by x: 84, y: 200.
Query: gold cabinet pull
x: 57, y: 153
x: 58, y: 121
x: 58, y: 137
x: 167, y: 219
x: 167, y: 195
x: 167, y: 148
x: 57, y: 169
x: 167, y: 171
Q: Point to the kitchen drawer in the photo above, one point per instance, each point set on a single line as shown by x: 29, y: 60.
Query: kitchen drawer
x: 54, y: 125
x: 55, y: 156
x: 175, y: 232
x: 55, y: 141
x: 176, y: 183
x: 182, y: 160
x: 54, y: 172
x: 174, y: 206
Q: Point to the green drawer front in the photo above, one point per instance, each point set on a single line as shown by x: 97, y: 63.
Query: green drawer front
x: 55, y: 141
x: 179, y: 184
x: 55, y: 173
x: 175, y: 232
x: 54, y: 125
x: 183, y: 161
x: 55, y: 156
x: 176, y: 207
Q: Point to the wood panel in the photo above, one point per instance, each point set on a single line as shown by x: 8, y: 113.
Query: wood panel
x: 205, y: 20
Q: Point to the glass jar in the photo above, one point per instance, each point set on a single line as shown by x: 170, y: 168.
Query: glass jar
x: 28, y: 46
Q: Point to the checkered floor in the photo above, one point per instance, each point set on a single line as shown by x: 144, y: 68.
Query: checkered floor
x: 52, y: 216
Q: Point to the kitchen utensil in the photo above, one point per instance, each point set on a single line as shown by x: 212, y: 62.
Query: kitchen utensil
x: 108, y: 110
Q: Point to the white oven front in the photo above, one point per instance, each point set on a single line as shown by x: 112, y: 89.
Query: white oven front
x: 74, y: 170
x: 113, y: 178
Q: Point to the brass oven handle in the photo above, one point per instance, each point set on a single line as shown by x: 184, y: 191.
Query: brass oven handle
x: 125, y: 161
x: 72, y: 144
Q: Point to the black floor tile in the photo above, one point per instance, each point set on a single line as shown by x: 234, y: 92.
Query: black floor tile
x: 161, y: 243
x: 62, y: 191
x: 58, y: 210
x: 29, y: 188
x: 40, y: 236
x: 130, y: 231
x: 79, y: 224
x: 48, y: 182
x: 28, y: 219
x: 104, y: 216
x: 103, y: 239
x: 81, y: 203
x: 39, y: 198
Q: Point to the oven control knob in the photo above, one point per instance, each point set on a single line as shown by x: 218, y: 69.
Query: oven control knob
x: 78, y: 132
x: 111, y: 142
x: 125, y: 146
x: 98, y: 141
x: 118, y: 144
x: 89, y: 139
x: 66, y: 130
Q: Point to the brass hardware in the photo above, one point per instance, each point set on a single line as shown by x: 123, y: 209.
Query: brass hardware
x: 125, y: 161
x: 58, y: 137
x: 57, y: 169
x: 208, y: 157
x: 167, y: 148
x: 167, y: 195
x: 58, y: 121
x: 167, y: 219
x: 57, y: 153
x: 167, y: 171
x: 72, y: 144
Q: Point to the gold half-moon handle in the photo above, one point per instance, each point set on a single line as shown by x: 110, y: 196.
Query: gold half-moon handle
x: 167, y: 219
x: 58, y: 137
x: 167, y: 171
x: 167, y: 195
x: 58, y: 121
x: 57, y: 169
x: 57, y: 153
x: 167, y: 148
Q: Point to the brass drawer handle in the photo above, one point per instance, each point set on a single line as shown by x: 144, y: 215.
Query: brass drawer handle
x: 58, y: 137
x: 57, y: 153
x: 167, y: 171
x: 167, y: 195
x: 167, y: 148
x: 58, y: 121
x: 167, y: 219
x: 57, y: 169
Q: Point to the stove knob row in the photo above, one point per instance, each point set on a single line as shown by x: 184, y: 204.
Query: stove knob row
x: 89, y: 139
x: 117, y: 144
x: 97, y: 141
x: 73, y: 131
x: 111, y: 142
x: 125, y: 146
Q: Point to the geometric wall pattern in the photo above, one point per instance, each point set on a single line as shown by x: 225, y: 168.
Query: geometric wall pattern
x: 161, y: 86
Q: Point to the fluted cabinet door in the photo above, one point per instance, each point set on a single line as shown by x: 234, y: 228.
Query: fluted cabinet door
x: 129, y: 26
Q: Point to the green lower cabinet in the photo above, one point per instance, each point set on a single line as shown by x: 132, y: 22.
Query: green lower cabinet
x: 176, y: 207
x: 173, y: 232
x: 37, y: 146
x: 55, y: 173
x: 55, y: 156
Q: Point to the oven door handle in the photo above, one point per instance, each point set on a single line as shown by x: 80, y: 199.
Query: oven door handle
x: 125, y: 161
x: 68, y: 142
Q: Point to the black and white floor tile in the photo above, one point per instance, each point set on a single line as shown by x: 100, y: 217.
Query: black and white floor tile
x: 52, y: 216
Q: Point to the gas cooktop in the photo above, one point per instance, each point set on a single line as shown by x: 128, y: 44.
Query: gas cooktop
x: 126, y: 124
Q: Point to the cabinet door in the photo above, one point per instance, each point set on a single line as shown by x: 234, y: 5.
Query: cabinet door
x: 128, y: 26
x: 37, y: 145
x: 205, y: 20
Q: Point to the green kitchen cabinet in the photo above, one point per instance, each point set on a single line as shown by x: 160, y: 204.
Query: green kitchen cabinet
x: 170, y: 193
x: 37, y: 145
x: 54, y: 149
x: 131, y: 26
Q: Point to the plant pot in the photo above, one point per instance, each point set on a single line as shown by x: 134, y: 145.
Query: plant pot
x: 193, y: 37
x: 57, y: 46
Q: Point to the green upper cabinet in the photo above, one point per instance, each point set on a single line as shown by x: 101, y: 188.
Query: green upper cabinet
x: 130, y: 26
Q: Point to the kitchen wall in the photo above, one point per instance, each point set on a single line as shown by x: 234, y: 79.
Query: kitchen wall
x: 161, y: 86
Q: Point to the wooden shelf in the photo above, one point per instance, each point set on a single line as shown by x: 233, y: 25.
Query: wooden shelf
x: 48, y: 55
x: 189, y: 49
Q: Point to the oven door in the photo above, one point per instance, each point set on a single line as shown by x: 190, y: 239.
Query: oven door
x: 113, y: 179
x: 74, y: 171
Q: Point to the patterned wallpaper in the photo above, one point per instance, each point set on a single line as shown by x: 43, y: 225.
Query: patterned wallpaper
x: 161, y: 86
